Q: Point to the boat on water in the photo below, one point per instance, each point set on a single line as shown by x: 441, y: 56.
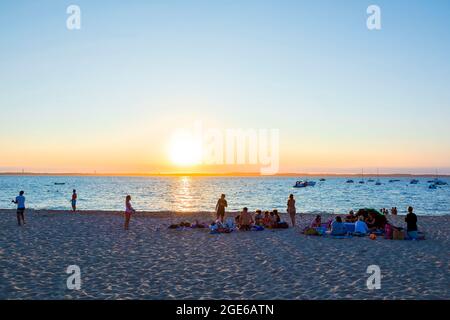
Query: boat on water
x: 414, y: 181
x: 378, y: 183
x: 59, y: 183
x: 323, y: 179
x: 394, y: 180
x: 438, y: 182
x: 350, y: 181
x: 370, y: 180
x: 362, y: 177
x: 432, y: 186
x: 304, y: 184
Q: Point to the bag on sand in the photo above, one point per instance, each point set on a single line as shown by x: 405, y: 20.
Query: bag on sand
x: 311, y: 232
x: 398, y: 234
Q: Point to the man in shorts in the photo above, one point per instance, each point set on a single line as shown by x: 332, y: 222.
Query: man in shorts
x: 220, y: 208
x: 20, y: 201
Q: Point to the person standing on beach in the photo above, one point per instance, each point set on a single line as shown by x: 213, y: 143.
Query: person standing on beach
x: 74, y: 200
x: 411, y: 224
x: 20, y: 201
x: 128, y: 211
x: 291, y: 208
x: 220, y: 207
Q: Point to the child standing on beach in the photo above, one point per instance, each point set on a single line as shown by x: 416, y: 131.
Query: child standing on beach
x: 291, y: 208
x: 74, y: 200
x: 220, y: 208
x: 20, y: 201
x: 128, y: 211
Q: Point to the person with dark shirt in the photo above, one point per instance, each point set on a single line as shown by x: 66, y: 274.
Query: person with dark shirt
x: 411, y: 224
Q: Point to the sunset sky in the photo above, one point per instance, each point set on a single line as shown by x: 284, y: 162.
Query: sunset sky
x: 108, y: 97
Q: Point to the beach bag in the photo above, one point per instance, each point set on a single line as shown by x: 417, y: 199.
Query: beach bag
x: 311, y: 232
x: 388, y: 231
x: 398, y: 234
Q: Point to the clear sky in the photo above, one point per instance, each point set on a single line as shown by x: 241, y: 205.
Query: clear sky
x: 109, y: 96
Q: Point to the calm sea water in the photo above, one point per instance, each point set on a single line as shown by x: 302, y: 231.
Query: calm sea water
x: 201, y: 193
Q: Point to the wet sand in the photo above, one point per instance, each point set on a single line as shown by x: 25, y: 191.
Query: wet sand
x: 151, y: 262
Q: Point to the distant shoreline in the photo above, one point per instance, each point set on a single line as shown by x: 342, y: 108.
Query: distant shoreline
x: 237, y: 174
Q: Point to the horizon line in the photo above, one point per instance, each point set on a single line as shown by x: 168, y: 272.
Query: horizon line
x: 229, y: 174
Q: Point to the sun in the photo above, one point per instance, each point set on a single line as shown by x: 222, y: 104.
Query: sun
x: 185, y: 150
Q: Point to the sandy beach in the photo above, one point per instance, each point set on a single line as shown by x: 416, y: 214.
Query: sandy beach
x: 152, y: 262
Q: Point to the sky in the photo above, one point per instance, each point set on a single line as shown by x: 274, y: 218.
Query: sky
x: 107, y: 98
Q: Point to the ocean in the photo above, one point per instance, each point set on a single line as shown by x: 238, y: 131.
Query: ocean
x: 201, y: 193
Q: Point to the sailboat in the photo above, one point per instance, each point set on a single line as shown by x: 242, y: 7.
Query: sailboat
x: 378, y: 183
x: 362, y: 177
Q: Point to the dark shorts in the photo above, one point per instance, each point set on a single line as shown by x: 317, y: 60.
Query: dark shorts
x: 20, y: 211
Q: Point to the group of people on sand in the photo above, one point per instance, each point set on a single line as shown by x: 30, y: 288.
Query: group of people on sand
x: 270, y: 219
x: 20, y: 202
x: 364, y: 222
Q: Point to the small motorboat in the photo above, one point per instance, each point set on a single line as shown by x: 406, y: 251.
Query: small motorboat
x: 414, y: 181
x: 304, y: 184
x: 59, y: 183
x: 378, y: 183
x: 432, y: 186
x: 370, y: 180
x: 323, y: 179
x: 394, y: 180
x: 350, y: 181
x: 361, y: 182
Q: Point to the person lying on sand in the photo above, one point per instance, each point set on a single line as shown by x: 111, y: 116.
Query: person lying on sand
x: 338, y: 227
x: 245, y: 220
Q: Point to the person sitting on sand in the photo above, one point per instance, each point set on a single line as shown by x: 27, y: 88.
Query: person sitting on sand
x: 220, y: 207
x: 361, y: 227
x: 411, y: 224
x: 128, y: 211
x: 376, y: 221
x: 20, y: 201
x: 317, y: 222
x: 338, y: 227
x: 291, y: 208
x: 245, y: 220
x: 351, y: 217
x: 258, y: 218
x: 74, y: 200
x: 267, y: 220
